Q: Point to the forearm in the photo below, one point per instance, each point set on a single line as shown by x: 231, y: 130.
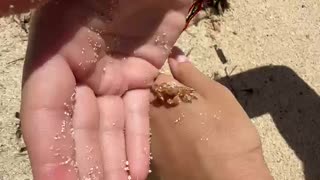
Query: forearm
x: 252, y: 167
x: 245, y: 167
x: 257, y: 171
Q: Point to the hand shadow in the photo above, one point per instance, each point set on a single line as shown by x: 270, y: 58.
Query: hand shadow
x: 293, y: 105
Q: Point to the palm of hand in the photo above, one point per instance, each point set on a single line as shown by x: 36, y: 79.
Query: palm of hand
x: 110, y: 57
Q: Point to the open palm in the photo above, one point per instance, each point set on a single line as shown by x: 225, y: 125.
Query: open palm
x: 85, y: 92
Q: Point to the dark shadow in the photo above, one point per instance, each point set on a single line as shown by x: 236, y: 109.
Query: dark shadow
x: 293, y: 105
x: 218, y: 6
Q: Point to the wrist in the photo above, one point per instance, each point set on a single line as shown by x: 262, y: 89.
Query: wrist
x: 249, y: 167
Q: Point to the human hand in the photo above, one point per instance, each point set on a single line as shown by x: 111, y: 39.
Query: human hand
x: 210, y: 138
x: 85, y: 94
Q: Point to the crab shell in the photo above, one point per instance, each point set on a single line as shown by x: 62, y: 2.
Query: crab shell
x: 173, y: 94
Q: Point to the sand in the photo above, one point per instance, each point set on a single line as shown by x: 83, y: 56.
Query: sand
x: 271, y: 46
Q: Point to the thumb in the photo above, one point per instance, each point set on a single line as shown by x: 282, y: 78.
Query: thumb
x: 187, y: 74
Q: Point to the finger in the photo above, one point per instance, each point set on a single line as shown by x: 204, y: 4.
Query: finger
x: 139, y: 80
x: 163, y: 78
x: 112, y: 137
x: 46, y: 113
x: 137, y: 132
x: 186, y: 73
x: 86, y: 134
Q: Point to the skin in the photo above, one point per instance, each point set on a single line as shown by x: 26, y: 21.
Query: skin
x: 117, y: 98
x: 112, y: 91
x: 210, y: 138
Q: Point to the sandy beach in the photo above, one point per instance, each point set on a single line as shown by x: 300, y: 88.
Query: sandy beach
x: 272, y: 65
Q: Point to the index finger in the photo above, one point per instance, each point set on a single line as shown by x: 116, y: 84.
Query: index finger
x: 187, y: 74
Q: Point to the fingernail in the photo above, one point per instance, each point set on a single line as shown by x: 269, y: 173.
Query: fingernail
x: 182, y: 58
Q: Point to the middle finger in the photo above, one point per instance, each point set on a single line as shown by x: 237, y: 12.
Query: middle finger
x: 112, y: 137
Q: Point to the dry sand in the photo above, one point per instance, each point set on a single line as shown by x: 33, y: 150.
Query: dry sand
x: 273, y: 47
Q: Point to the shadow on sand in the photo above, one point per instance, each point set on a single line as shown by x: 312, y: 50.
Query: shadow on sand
x: 293, y: 105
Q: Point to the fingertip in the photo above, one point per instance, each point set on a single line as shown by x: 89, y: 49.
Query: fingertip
x: 174, y: 64
x: 139, y: 172
x: 177, y: 56
x: 186, y: 73
x: 180, y: 65
x: 175, y: 51
x: 139, y: 161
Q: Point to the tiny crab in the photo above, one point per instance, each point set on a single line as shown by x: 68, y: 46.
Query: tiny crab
x: 172, y: 94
